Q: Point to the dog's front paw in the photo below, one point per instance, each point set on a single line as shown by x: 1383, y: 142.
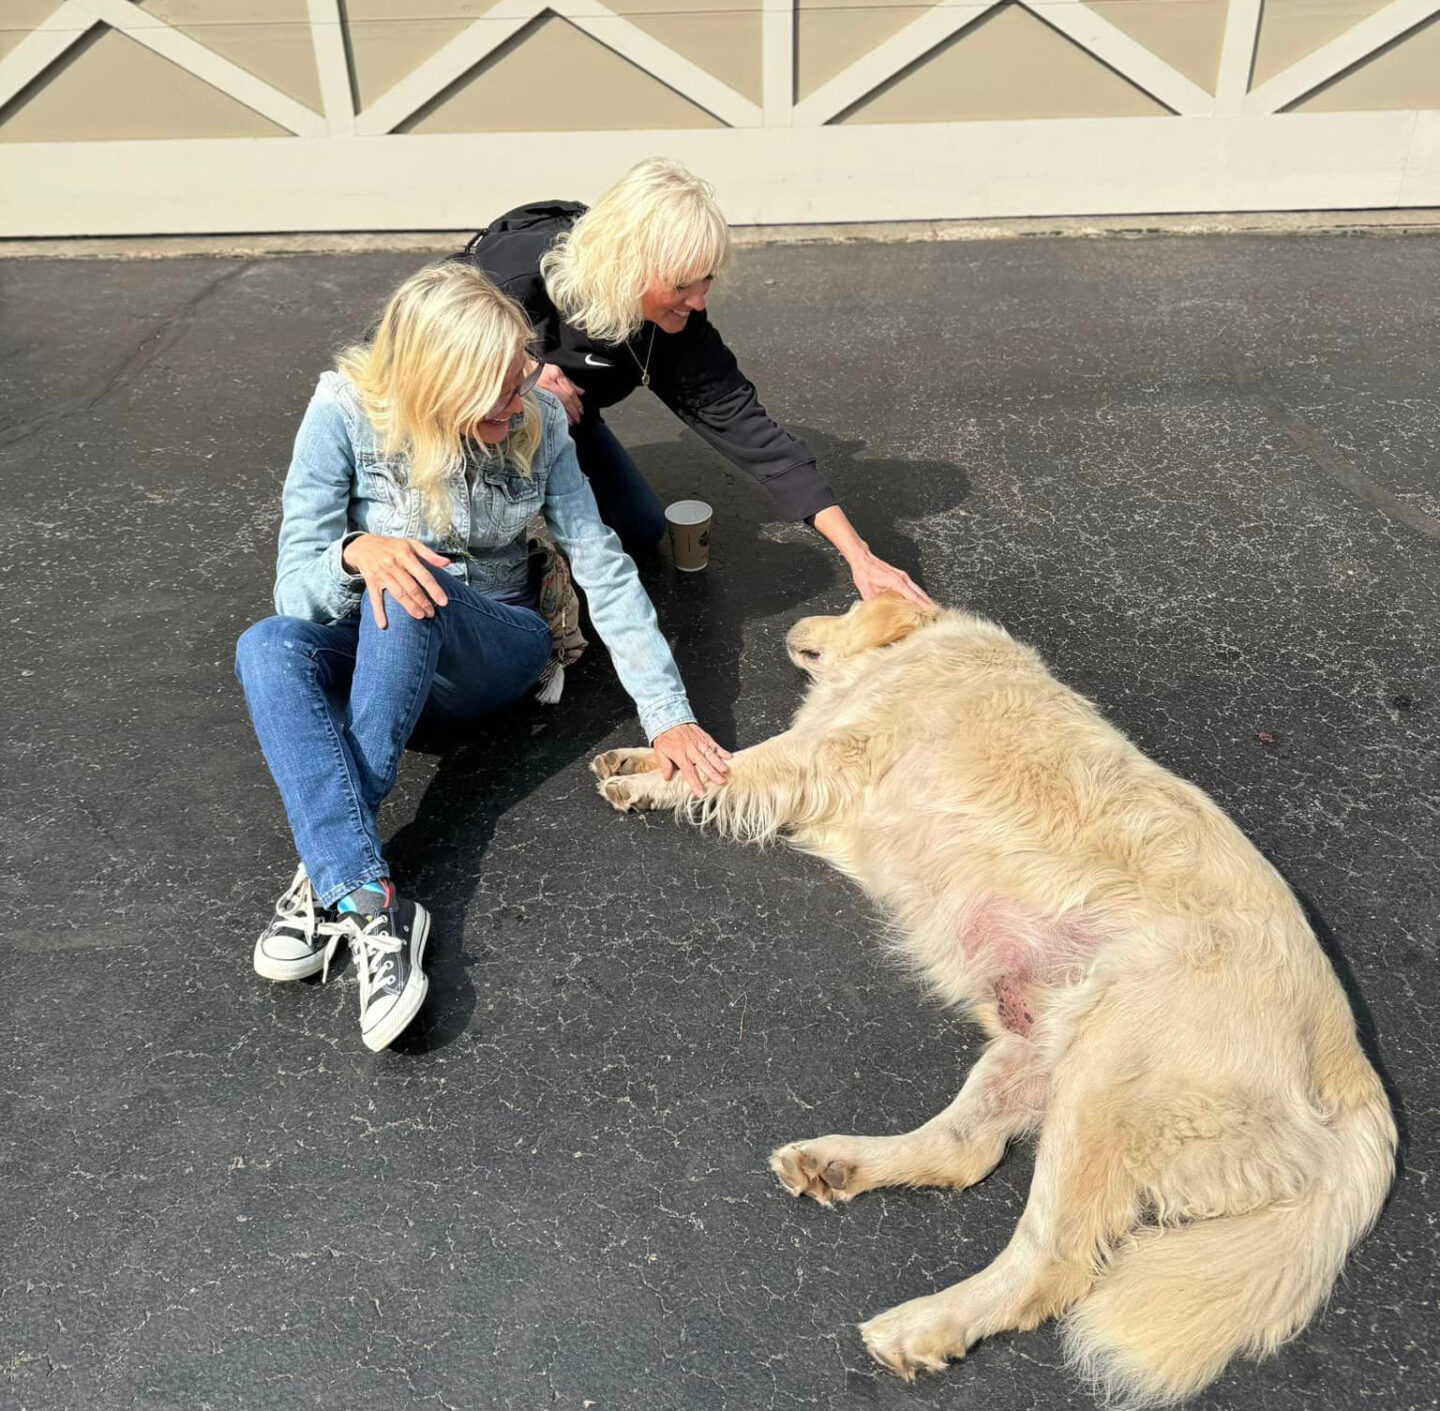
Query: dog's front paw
x: 628, y: 761
x: 912, y: 1337
x: 633, y: 793
x: 817, y: 1169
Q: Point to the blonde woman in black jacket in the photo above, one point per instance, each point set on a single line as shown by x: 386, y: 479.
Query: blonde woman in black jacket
x: 617, y: 296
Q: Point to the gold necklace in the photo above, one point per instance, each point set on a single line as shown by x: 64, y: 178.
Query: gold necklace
x: 644, y: 367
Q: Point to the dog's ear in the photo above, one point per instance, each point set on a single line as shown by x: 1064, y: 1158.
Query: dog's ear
x: 890, y: 618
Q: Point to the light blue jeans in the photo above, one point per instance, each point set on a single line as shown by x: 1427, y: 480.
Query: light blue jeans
x: 333, y: 704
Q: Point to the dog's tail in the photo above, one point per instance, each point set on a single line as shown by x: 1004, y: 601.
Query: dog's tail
x: 1176, y: 1303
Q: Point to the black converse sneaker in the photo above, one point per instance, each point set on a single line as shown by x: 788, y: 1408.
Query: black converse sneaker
x: 293, y: 946
x: 387, y: 948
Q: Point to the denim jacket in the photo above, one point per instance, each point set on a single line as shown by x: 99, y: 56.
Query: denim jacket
x: 340, y: 485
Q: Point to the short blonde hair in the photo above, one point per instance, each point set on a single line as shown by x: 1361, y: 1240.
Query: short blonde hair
x: 436, y: 365
x: 658, y: 224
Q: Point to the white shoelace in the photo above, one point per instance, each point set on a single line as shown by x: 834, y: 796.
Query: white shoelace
x: 297, y: 907
x: 372, y: 950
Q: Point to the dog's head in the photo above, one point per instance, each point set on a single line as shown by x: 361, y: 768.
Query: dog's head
x: 815, y: 644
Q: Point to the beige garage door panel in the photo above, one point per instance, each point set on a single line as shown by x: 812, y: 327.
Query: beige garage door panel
x: 517, y: 90
x: 1406, y: 75
x: 1291, y: 29
x: 1185, y: 33
x: 269, y: 38
x: 830, y: 35
x: 1007, y: 65
x: 108, y: 88
x: 723, y: 39
x: 389, y: 38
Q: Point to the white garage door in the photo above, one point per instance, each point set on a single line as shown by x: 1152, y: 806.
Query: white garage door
x: 192, y: 116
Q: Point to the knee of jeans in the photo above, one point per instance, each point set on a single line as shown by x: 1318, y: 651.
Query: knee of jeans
x: 271, y: 647
x: 263, y: 646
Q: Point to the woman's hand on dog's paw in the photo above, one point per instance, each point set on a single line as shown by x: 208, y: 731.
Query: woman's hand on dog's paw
x: 689, y: 749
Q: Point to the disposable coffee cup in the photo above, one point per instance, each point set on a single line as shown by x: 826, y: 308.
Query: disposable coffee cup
x: 689, y: 522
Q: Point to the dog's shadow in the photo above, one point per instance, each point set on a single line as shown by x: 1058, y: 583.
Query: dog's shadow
x: 1365, y: 1027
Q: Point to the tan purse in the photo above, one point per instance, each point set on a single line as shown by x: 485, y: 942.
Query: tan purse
x: 558, y: 604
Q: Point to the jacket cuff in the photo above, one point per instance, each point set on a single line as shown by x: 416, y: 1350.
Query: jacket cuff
x: 801, y: 492
x: 351, y: 582
x: 665, y: 715
x: 345, y: 588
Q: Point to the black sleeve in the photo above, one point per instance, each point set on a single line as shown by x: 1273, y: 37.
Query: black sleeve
x: 705, y: 388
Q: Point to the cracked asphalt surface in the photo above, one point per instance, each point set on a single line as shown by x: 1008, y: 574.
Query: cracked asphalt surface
x: 1201, y: 474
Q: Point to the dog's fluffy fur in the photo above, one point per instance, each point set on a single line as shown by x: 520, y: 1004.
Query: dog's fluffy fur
x: 1212, y: 1140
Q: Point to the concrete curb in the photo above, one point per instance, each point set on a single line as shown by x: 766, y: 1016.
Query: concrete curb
x: 1420, y: 221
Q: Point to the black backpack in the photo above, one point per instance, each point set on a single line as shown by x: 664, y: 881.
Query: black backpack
x: 524, y: 218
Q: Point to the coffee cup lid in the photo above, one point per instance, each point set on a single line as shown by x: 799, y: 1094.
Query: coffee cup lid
x: 688, y: 512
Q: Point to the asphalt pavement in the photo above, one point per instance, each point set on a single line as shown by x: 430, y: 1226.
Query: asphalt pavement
x: 1201, y: 474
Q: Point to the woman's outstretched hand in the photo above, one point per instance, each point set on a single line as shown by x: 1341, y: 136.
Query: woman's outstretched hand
x: 397, y: 567
x: 690, y: 750
x: 874, y: 576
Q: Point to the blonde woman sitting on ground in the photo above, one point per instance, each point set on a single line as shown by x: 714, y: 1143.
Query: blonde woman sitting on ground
x: 404, y: 590
x: 617, y: 296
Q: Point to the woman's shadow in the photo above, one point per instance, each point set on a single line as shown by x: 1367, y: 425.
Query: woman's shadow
x: 716, y: 621
x: 734, y: 614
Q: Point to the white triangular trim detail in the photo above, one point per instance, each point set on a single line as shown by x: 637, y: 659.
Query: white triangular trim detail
x: 1332, y: 59
x: 46, y: 43
x: 616, y: 33
x: 206, y: 65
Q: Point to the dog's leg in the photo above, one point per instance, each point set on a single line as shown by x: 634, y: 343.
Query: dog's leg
x: 1082, y: 1199
x: 1003, y: 1098
x: 768, y: 787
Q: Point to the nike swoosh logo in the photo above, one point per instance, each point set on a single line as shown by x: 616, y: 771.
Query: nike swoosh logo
x: 592, y: 361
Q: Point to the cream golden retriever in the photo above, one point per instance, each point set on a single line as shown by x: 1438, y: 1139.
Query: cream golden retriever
x: 1211, y: 1139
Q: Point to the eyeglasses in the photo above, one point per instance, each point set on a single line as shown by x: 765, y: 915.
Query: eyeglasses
x: 526, y: 384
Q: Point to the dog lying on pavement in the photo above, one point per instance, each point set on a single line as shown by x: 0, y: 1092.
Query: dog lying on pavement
x: 1211, y: 1138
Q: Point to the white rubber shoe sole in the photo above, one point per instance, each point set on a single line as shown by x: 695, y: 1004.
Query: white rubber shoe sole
x: 272, y: 969
x: 411, y: 997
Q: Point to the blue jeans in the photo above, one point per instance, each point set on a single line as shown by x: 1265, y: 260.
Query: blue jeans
x: 623, y: 496
x: 333, y: 704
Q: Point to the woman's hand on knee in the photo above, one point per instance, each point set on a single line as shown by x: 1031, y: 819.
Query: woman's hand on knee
x: 690, y: 750
x: 397, y: 567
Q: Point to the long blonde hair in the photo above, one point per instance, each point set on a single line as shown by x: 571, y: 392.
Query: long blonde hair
x: 436, y: 365
x: 658, y: 224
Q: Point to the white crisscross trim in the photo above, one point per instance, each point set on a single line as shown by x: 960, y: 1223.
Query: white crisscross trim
x: 371, y: 945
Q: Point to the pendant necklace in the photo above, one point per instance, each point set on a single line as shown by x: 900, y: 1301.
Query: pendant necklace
x: 645, y: 366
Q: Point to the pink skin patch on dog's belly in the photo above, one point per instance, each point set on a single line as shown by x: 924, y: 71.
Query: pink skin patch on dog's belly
x: 1015, y: 1012
x: 1023, y: 952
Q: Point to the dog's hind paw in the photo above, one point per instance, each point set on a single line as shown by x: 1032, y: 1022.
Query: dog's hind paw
x: 804, y: 1168
x: 918, y: 1336
x: 627, y: 761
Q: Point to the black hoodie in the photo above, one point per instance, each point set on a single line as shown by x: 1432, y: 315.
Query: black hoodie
x: 692, y: 371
